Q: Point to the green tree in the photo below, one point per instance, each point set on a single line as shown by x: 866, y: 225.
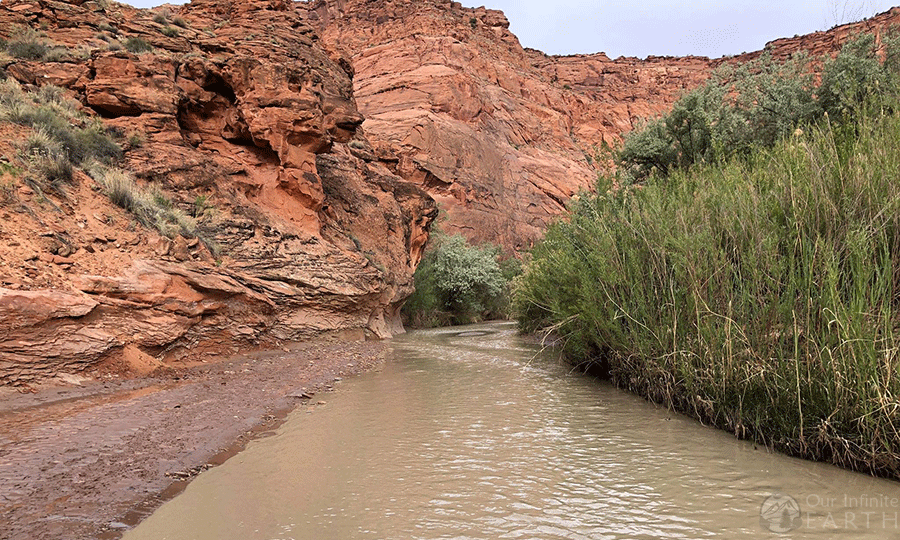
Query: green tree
x: 856, y: 78
x: 456, y: 283
x: 738, y: 109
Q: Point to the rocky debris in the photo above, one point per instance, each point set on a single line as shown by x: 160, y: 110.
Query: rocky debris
x: 103, y: 453
x: 189, y: 473
x: 239, y: 112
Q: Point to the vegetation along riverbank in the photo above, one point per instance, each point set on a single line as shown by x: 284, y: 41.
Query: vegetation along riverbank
x: 742, y: 265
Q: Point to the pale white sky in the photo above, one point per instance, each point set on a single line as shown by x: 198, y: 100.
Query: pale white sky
x: 667, y: 27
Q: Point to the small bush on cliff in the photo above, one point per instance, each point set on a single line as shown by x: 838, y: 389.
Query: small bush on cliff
x: 27, y: 44
x: 150, y: 208
x: 106, y: 27
x: 48, y: 111
x: 137, y: 45
x: 456, y: 283
x: 757, y: 104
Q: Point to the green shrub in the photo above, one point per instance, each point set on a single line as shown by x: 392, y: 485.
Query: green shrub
x: 161, y: 18
x: 41, y: 143
x: 759, y: 294
x: 136, y: 139
x: 8, y: 193
x: 737, y: 110
x: 151, y: 209
x: 50, y: 93
x: 54, y: 169
x: 94, y: 142
x: 137, y: 45
x: 178, y: 21
x: 648, y: 150
x: 856, y: 78
x: 757, y: 104
x: 56, y: 118
x: 48, y: 160
x: 27, y: 44
x: 200, y: 206
x: 58, y: 54
x: 169, y: 31
x: 121, y: 189
x: 456, y: 283
x: 11, y: 94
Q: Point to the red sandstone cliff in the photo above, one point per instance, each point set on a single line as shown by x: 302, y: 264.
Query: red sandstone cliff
x: 499, y: 135
x: 241, y: 107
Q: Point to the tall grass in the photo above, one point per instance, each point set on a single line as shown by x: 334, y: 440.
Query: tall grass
x: 761, y: 295
x: 152, y: 209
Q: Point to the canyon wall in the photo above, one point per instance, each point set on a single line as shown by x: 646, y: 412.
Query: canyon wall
x: 237, y: 109
x: 315, y: 142
x: 500, y: 135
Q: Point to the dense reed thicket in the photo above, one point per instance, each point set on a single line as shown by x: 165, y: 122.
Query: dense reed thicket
x: 759, y: 293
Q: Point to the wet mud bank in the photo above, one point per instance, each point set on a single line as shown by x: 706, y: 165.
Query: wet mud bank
x: 91, y: 461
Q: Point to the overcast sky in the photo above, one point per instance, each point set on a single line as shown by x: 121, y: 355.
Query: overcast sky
x: 667, y: 27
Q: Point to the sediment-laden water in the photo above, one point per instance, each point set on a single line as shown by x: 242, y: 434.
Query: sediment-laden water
x: 473, y: 433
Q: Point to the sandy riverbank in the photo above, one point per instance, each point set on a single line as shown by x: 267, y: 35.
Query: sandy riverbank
x: 88, y: 461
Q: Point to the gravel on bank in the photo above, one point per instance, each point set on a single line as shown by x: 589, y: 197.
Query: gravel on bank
x: 90, y: 461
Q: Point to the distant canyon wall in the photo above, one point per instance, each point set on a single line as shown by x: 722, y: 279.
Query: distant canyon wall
x: 502, y: 136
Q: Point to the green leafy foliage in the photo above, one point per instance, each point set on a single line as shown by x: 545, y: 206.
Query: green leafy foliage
x: 457, y: 283
x: 758, y: 292
x: 856, y: 79
x: 757, y: 104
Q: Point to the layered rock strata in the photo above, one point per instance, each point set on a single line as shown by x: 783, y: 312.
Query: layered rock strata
x: 239, y: 111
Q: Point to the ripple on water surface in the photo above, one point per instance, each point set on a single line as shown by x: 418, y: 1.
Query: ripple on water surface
x: 474, y: 433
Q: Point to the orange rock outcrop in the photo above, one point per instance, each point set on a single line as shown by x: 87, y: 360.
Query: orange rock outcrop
x: 239, y: 108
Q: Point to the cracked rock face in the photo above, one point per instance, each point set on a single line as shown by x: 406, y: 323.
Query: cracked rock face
x: 238, y: 107
x: 502, y: 136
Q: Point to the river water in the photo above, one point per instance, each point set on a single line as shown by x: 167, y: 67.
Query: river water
x: 474, y: 433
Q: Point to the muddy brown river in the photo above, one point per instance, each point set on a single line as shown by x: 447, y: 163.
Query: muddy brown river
x: 474, y: 433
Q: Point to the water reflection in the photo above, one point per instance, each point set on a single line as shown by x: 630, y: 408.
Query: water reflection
x: 474, y: 433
